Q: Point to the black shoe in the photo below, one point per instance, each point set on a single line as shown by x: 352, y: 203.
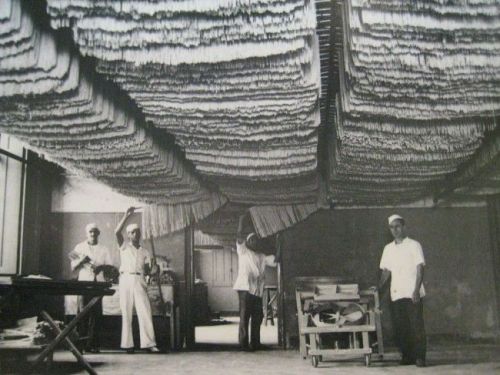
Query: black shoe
x: 245, y: 348
x: 130, y: 350
x: 260, y: 347
x: 406, y: 362
x: 152, y: 349
x: 420, y: 362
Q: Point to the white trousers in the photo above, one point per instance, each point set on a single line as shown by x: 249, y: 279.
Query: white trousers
x: 133, y: 293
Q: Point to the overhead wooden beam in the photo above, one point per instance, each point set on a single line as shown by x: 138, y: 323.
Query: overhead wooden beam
x: 329, y: 81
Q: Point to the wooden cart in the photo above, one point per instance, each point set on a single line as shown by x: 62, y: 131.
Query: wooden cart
x: 364, y: 339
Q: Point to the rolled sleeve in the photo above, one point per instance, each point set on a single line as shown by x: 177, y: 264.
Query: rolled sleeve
x: 270, y: 261
x: 418, y: 254
x: 385, y: 261
x: 76, y: 256
x: 74, y: 263
x: 241, y: 248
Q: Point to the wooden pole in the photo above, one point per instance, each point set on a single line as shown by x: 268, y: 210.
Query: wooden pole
x: 158, y: 281
x: 281, y: 295
x: 189, y: 286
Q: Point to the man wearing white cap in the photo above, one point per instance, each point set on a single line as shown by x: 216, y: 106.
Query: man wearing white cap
x: 86, y: 259
x: 403, y: 261
x: 250, y: 286
x: 135, y: 262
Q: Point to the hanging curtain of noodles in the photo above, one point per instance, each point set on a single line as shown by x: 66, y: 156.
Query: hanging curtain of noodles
x: 204, y: 239
x: 268, y: 220
x: 162, y: 219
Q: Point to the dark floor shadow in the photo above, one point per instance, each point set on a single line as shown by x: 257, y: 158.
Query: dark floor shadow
x: 209, y: 347
x: 57, y: 368
x: 215, y: 322
x: 460, y: 361
x: 356, y: 362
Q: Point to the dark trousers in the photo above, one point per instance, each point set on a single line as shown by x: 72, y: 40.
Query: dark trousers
x: 250, y: 310
x: 409, y: 330
x: 90, y: 325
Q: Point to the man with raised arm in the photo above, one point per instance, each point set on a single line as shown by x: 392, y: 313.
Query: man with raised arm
x: 250, y: 285
x: 135, y: 262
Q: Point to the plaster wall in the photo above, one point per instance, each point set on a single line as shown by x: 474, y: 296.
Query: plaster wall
x: 459, y: 276
x: 68, y: 229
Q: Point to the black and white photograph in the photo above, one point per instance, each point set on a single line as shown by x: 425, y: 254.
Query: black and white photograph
x: 249, y: 187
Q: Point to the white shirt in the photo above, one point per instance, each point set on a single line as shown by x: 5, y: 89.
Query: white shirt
x: 402, y: 261
x: 251, y: 270
x: 132, y: 259
x: 99, y: 255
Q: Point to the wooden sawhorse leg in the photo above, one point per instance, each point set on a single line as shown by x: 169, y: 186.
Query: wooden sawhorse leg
x: 264, y: 305
x: 63, y: 335
x: 267, y: 305
x: 170, y: 313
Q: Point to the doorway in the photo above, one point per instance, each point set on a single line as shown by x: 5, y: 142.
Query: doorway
x: 215, y: 304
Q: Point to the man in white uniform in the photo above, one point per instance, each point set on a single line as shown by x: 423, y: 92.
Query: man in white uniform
x: 86, y: 259
x: 403, y: 261
x: 250, y: 286
x: 135, y: 262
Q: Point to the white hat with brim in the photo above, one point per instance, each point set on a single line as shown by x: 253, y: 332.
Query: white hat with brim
x: 91, y: 226
x: 132, y: 227
x: 394, y: 217
x: 250, y: 236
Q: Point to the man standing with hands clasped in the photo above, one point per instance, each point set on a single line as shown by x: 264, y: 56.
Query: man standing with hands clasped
x: 87, y: 259
x: 135, y: 262
x: 403, y: 261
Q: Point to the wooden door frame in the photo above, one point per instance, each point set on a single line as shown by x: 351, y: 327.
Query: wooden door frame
x: 189, y: 331
x: 493, y: 212
x: 189, y: 278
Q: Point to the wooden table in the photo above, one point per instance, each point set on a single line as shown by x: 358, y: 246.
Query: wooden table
x: 28, y: 286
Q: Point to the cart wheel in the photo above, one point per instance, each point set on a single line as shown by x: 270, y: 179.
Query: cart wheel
x: 367, y: 360
x: 315, y: 360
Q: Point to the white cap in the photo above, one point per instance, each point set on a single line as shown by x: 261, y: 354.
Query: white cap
x: 250, y: 236
x: 132, y: 227
x: 394, y: 217
x: 91, y: 226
